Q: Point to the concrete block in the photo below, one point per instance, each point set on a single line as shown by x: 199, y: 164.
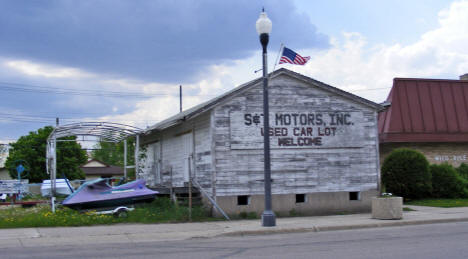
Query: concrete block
x: 387, y: 207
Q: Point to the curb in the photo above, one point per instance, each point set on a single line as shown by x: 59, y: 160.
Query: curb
x: 390, y: 223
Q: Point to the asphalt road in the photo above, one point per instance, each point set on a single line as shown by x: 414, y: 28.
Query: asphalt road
x: 423, y: 241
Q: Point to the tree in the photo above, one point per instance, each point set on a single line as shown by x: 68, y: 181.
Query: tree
x: 405, y: 172
x: 32, y: 149
x: 113, y: 153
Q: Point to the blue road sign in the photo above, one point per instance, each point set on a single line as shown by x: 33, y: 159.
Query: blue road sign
x: 20, y: 169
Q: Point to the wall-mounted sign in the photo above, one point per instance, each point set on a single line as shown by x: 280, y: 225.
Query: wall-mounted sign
x: 298, y: 130
x: 459, y: 157
x: 14, y: 186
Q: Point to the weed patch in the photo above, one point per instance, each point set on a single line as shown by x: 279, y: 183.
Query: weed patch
x: 248, y: 215
x: 442, y: 203
x: 160, y: 211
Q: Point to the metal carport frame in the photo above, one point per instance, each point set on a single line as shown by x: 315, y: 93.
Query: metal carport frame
x: 105, y: 131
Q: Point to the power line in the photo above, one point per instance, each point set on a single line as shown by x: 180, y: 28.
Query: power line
x: 57, y: 114
x: 83, y: 92
x: 7, y: 86
x: 34, y: 117
x: 52, y: 121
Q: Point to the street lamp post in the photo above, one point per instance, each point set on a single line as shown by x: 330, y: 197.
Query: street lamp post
x: 263, y: 26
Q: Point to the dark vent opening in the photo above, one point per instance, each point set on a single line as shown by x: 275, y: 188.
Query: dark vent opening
x: 354, y: 196
x: 243, y: 200
x: 300, y: 198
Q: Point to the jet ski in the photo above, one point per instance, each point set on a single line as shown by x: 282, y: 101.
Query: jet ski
x: 99, y: 194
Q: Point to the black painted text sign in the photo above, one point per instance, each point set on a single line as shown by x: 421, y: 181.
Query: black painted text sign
x: 298, y: 130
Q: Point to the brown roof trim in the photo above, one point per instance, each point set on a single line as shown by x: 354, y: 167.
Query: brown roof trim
x: 428, y: 79
x: 423, y: 137
x: 111, y: 170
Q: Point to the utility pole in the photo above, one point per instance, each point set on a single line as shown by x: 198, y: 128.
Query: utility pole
x: 180, y: 97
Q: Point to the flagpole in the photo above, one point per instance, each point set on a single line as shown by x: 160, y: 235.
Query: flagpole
x: 279, y: 53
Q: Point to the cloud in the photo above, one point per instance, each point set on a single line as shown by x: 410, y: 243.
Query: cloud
x: 150, y: 40
x: 351, y: 64
x: 162, y: 101
x: 218, y: 63
x: 148, y: 47
x: 31, y: 95
x: 216, y: 80
x: 34, y: 69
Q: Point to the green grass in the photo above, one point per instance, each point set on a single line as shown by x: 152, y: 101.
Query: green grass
x: 442, y: 203
x: 162, y: 210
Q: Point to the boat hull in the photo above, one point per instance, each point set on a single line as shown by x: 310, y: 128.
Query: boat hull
x: 98, y: 194
x: 111, y: 203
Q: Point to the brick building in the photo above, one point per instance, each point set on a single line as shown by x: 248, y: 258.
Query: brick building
x: 429, y: 115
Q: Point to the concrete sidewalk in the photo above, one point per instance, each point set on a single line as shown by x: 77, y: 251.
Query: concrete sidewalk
x: 127, y: 233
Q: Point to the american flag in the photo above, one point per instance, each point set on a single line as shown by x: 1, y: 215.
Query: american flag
x: 292, y: 57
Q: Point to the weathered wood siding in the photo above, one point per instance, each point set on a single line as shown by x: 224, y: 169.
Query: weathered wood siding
x: 174, y: 158
x: 202, y: 157
x: 346, y: 160
x: 150, y: 163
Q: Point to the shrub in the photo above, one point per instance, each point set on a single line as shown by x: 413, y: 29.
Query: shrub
x: 405, y: 173
x: 462, y: 170
x: 446, y: 183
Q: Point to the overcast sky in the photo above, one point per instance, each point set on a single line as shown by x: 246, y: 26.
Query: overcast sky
x: 122, y: 61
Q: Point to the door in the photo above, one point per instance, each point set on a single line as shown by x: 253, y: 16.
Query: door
x: 157, y: 162
x: 187, y: 149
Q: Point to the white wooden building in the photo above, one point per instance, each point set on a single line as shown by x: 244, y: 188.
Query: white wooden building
x: 324, y: 148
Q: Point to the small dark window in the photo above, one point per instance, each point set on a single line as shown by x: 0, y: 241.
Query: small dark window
x: 243, y: 200
x: 300, y: 198
x: 354, y: 196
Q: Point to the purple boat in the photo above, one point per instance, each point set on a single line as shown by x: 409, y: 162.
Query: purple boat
x: 99, y: 194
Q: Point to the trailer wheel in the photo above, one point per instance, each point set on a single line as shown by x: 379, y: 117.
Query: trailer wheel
x: 121, y: 213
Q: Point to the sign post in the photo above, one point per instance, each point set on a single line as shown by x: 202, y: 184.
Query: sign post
x: 19, y: 170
